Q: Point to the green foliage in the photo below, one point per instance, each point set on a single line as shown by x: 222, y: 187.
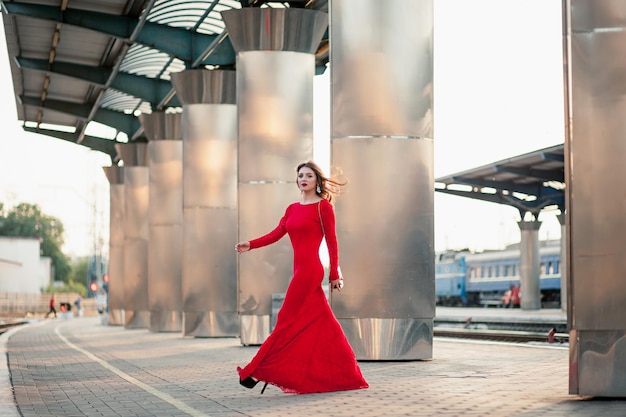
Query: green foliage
x: 27, y: 220
x: 69, y: 287
x: 80, y: 268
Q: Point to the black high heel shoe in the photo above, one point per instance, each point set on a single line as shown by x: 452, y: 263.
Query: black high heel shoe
x: 250, y: 383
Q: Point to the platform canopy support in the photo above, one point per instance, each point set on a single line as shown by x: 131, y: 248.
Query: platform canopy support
x: 530, y: 284
x: 115, y: 175
x: 595, y: 39
x: 275, y: 69
x: 382, y: 142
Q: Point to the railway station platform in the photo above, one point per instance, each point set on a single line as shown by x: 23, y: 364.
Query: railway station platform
x: 79, y: 367
x: 513, y: 318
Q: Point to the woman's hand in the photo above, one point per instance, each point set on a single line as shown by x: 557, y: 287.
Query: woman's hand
x: 242, y: 247
x: 336, y: 284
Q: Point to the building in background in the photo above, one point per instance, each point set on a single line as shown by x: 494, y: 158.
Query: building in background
x: 22, y: 268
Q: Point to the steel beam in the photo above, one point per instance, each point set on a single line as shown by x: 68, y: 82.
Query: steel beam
x: 176, y: 42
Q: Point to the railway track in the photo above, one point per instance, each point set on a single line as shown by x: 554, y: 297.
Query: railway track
x: 516, y: 336
x: 5, y: 326
x: 506, y: 329
x: 503, y: 323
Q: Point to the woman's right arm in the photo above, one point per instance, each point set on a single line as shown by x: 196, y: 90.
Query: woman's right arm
x: 265, y: 240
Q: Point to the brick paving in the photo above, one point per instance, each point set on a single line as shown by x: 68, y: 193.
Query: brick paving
x: 79, y: 367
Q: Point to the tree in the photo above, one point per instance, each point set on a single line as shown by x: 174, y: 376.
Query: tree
x: 27, y: 220
x: 80, y: 269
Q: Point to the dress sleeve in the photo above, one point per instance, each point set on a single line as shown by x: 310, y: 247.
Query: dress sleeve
x: 328, y: 217
x: 273, y: 236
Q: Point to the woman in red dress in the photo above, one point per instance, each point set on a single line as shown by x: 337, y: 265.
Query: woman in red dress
x: 307, y: 352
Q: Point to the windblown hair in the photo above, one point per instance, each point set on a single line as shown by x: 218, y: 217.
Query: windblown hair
x: 329, y: 187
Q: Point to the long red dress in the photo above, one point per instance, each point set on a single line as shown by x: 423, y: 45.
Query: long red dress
x: 307, y: 351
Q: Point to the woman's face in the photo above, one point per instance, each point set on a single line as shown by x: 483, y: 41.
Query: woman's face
x: 306, y: 179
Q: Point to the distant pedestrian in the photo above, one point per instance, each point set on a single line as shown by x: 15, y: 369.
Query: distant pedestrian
x: 506, y: 299
x: 78, y: 305
x: 52, y: 309
x: 515, y: 297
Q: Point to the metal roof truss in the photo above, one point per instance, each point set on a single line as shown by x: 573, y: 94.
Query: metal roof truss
x: 74, y: 62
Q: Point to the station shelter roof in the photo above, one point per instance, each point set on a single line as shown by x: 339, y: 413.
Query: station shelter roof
x: 79, y: 62
x: 530, y: 182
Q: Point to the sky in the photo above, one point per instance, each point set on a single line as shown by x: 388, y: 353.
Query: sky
x: 498, y: 93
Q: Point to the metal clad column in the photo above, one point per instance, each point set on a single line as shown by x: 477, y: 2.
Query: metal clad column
x: 209, y: 125
x: 136, y: 311
x: 115, y: 175
x: 529, y: 265
x: 596, y: 196
x: 165, y: 213
x: 563, y: 262
x: 275, y: 70
x: 382, y: 141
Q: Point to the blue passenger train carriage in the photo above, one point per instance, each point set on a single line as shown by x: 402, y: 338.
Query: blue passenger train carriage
x: 478, y: 278
x: 450, y: 271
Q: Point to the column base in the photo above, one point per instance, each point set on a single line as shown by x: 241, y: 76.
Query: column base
x: 390, y: 339
x: 210, y: 324
x: 166, y: 321
x: 254, y: 329
x: 116, y: 317
x: 137, y: 319
x: 597, y: 363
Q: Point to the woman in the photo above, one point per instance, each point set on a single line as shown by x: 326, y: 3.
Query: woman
x: 307, y: 351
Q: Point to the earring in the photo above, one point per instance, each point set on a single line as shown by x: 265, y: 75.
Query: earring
x: 318, y: 189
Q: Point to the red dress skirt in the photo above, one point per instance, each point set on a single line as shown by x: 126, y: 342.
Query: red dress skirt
x: 307, y: 351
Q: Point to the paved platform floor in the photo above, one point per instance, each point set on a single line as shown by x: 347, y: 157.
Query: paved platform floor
x: 79, y: 367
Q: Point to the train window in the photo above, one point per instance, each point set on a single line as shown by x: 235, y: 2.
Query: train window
x: 507, y: 270
x: 542, y: 268
x: 514, y: 269
x: 557, y: 266
x: 549, y: 268
x: 472, y: 273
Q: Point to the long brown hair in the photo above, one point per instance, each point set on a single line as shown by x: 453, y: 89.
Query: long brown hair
x: 329, y: 187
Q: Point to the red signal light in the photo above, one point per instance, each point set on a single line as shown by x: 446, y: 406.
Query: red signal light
x: 105, y: 278
x: 93, y: 287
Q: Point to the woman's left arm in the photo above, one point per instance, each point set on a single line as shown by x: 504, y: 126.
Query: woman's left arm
x: 328, y: 217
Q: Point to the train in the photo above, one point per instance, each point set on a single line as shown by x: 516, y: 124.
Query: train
x: 463, y: 278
